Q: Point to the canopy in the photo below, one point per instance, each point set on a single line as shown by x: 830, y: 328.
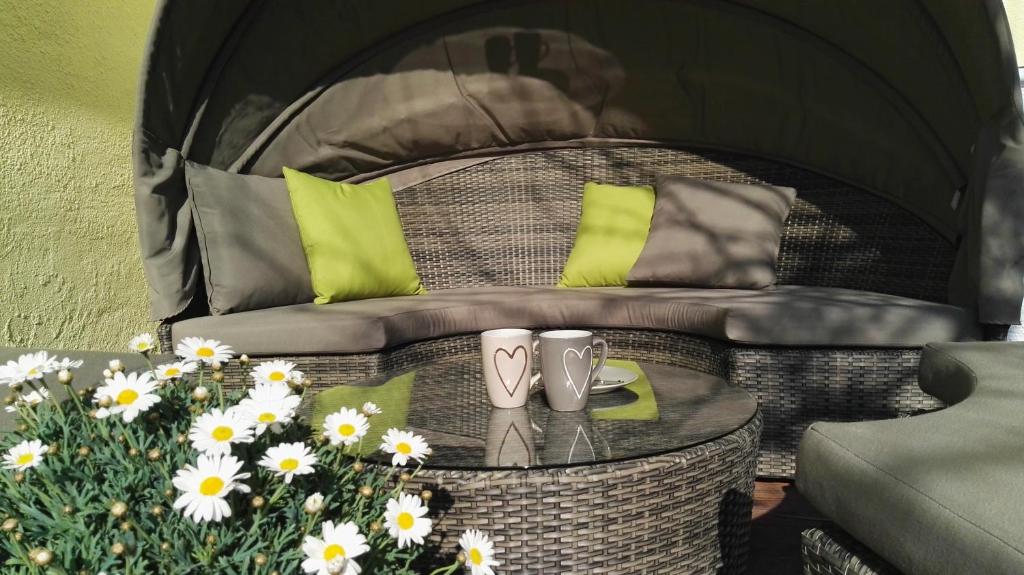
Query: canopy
x: 915, y: 100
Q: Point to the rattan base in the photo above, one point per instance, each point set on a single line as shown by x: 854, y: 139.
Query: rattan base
x: 794, y: 387
x: 684, y: 512
x: 833, y: 552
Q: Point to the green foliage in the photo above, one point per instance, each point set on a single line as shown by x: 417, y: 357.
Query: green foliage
x: 64, y: 504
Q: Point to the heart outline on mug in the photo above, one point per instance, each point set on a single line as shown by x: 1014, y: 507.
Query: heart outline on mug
x: 511, y: 357
x: 588, y: 350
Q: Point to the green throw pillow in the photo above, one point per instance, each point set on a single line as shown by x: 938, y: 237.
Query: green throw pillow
x: 612, y: 232
x: 352, y: 238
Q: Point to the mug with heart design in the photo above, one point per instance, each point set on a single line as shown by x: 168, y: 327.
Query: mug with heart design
x: 567, y: 366
x: 507, y: 356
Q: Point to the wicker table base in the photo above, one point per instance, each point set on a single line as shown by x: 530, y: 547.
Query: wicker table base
x: 683, y: 512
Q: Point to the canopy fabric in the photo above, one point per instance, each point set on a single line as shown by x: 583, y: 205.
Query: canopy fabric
x: 915, y: 100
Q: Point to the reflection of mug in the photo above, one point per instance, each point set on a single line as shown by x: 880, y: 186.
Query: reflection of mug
x: 509, y: 438
x: 567, y: 363
x: 571, y: 438
x: 507, y: 356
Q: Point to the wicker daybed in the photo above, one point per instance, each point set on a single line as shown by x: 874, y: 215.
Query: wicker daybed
x: 838, y: 339
x: 488, y: 117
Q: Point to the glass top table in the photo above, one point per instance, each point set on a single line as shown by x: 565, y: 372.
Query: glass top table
x: 647, y: 479
x: 667, y: 409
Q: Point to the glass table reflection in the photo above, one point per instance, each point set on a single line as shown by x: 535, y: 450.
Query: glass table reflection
x: 666, y: 409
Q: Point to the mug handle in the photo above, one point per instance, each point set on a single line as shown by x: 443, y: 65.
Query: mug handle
x: 535, y: 378
x: 604, y: 357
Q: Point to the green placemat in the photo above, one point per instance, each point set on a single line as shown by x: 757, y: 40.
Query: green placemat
x: 392, y: 397
x: 645, y: 408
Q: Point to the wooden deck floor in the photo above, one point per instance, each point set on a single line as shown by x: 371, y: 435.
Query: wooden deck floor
x: 780, y: 515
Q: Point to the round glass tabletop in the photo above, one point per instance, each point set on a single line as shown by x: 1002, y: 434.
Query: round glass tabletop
x: 666, y: 409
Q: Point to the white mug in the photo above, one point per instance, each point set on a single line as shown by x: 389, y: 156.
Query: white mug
x: 507, y: 356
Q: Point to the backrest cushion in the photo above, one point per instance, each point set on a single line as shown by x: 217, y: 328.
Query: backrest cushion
x: 612, y: 232
x: 713, y: 234
x: 248, y: 241
x: 352, y: 239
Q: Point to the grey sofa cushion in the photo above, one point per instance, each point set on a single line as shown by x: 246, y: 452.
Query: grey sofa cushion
x: 937, y: 493
x: 786, y: 315
x: 248, y: 240
x: 713, y: 234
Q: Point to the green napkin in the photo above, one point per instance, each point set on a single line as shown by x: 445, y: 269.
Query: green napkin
x: 392, y: 397
x: 645, y: 408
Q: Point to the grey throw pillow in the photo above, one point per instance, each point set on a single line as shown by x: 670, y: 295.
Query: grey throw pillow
x: 713, y: 234
x: 248, y: 240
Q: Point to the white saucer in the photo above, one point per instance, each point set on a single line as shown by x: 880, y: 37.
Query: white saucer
x: 611, y: 378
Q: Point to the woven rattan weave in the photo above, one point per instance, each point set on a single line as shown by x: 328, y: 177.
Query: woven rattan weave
x: 511, y: 221
x: 685, y: 512
x: 829, y: 551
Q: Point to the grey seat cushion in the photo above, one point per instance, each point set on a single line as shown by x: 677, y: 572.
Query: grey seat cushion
x: 937, y: 493
x: 785, y: 315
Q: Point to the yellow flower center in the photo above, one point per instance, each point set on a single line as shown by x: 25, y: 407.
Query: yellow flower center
x: 267, y: 417
x: 142, y: 346
x: 290, y: 464
x: 403, y: 448
x: 405, y: 521
x: 25, y: 459
x: 333, y: 550
x: 276, y: 376
x: 127, y: 397
x: 172, y: 372
x: 475, y: 556
x: 346, y: 429
x: 34, y: 373
x: 204, y: 352
x: 211, y: 486
x: 222, y: 433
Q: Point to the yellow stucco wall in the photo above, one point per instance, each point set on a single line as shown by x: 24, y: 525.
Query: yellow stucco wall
x: 70, y: 274
x: 1015, y: 15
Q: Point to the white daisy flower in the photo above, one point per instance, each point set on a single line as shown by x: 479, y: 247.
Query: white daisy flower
x: 28, y: 367
x: 169, y: 371
x: 370, y: 408
x: 129, y: 395
x: 205, y: 485
x: 345, y: 426
x: 142, y: 343
x: 405, y: 521
x: 25, y: 455
x: 277, y: 371
x: 215, y: 431
x: 67, y: 363
x: 204, y: 350
x: 270, y: 405
x: 479, y: 552
x: 338, y: 542
x: 30, y: 399
x: 404, y: 445
x: 289, y: 460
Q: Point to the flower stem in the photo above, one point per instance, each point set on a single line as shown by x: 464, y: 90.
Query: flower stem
x: 446, y: 570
